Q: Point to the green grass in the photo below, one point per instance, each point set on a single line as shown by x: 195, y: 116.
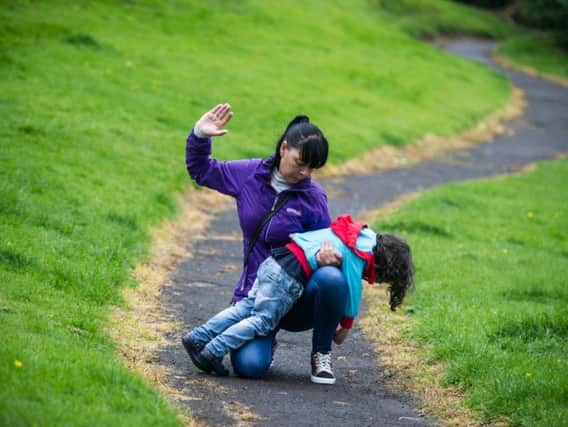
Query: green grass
x: 491, y: 297
x: 435, y: 18
x: 538, y: 51
x: 360, y: 77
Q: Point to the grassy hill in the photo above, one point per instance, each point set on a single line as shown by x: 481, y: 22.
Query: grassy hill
x: 491, y: 302
x: 431, y: 19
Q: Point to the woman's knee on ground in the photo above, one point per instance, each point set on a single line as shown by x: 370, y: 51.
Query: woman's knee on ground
x: 253, y: 359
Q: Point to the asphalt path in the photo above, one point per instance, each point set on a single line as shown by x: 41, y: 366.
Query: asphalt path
x: 202, y: 285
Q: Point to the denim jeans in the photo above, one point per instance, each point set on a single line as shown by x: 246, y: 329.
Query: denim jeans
x: 320, y: 308
x: 273, y: 294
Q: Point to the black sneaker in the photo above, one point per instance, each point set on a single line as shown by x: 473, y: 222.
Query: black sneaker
x: 193, y: 348
x: 321, y: 369
x: 212, y: 363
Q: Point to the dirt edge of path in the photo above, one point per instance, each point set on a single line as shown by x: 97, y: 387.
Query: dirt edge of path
x: 507, y: 63
x: 407, y: 366
x: 140, y: 324
x: 432, y: 146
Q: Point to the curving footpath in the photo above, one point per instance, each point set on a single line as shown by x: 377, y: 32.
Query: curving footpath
x: 202, y: 285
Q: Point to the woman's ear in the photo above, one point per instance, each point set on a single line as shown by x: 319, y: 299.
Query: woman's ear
x: 283, y: 147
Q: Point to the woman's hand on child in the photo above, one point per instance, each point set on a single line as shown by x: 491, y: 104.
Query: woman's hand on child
x: 327, y: 255
x: 212, y: 122
x: 340, y: 335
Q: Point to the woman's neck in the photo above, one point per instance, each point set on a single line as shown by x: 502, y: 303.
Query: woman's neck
x: 278, y: 182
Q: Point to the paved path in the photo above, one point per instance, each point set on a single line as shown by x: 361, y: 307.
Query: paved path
x: 202, y: 285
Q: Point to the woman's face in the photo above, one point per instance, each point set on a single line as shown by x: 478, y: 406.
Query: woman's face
x: 291, y: 167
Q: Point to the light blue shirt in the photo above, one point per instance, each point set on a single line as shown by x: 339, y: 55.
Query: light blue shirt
x: 352, y: 266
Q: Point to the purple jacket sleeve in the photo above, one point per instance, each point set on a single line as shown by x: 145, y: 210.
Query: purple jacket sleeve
x: 225, y: 177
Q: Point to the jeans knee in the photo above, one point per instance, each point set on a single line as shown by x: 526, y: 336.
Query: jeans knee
x: 253, y: 359
x: 330, y: 280
x: 265, y: 325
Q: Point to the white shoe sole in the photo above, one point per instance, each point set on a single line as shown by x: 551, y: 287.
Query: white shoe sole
x: 319, y: 380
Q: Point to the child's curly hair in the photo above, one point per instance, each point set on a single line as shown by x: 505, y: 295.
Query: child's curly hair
x: 393, y: 264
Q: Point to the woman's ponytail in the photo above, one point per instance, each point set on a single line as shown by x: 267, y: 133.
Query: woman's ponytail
x: 299, y: 132
x: 296, y: 120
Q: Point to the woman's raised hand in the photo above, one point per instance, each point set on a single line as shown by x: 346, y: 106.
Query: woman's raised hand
x: 212, y: 122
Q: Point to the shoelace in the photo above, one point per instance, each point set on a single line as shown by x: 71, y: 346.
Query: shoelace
x: 323, y: 361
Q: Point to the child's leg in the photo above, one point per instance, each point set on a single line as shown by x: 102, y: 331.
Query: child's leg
x: 274, y: 294
x: 223, y: 320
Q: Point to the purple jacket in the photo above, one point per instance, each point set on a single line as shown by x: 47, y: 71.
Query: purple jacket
x: 248, y: 181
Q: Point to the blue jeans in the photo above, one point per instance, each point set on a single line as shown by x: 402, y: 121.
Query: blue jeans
x: 273, y: 294
x: 321, y: 307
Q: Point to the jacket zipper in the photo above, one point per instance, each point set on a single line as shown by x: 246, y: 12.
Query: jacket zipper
x: 245, y: 268
x: 265, y: 235
x: 270, y: 222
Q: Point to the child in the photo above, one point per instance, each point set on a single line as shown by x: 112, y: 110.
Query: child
x: 280, y: 281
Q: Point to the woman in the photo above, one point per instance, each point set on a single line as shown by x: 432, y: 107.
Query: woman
x: 258, y: 185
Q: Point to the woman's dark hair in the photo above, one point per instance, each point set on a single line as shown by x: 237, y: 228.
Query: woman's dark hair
x: 308, y: 139
x: 393, y: 264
